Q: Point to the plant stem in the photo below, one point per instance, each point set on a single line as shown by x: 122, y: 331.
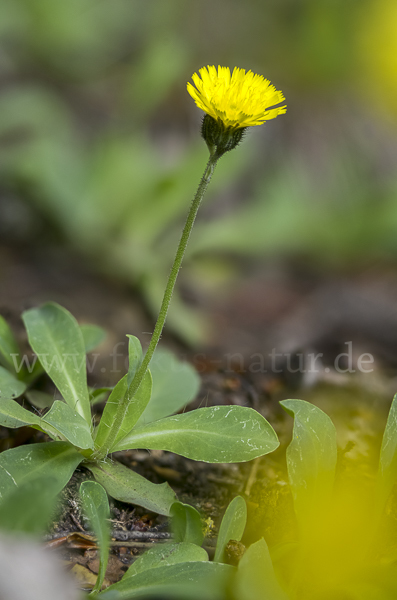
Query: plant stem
x: 140, y: 374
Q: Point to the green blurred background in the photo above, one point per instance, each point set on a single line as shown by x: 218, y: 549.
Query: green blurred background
x: 100, y: 149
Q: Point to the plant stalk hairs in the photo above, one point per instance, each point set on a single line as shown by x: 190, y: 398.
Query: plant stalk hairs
x: 140, y: 411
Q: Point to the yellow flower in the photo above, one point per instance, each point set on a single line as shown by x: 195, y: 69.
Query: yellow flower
x: 237, y: 99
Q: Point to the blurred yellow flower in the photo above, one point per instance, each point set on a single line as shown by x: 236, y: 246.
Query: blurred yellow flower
x: 237, y: 99
x: 375, y: 38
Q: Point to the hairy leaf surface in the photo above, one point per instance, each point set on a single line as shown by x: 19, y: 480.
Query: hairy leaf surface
x: 56, y: 338
x: 217, y: 434
x: 126, y: 485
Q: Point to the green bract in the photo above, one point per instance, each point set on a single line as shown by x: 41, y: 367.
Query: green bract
x: 131, y: 419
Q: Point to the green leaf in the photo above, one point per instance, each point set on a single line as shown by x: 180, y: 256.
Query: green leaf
x: 388, y: 456
x: 8, y: 345
x: 175, y: 384
x: 116, y: 396
x: 29, y: 507
x: 311, y: 457
x: 93, y: 336
x: 135, y: 407
x: 57, y: 460
x: 96, y: 507
x: 98, y: 395
x: 60, y: 422
x: 126, y: 485
x: 10, y: 386
x: 70, y: 424
x: 183, y: 581
x: 56, y: 338
x: 12, y: 415
x: 232, y: 526
x: 186, y: 524
x: 255, y: 576
x: 135, y: 355
x: 217, y: 434
x: 167, y: 554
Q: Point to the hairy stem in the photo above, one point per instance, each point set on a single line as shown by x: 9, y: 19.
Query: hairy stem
x: 140, y: 374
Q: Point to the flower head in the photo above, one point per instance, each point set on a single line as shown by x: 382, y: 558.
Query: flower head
x: 237, y: 99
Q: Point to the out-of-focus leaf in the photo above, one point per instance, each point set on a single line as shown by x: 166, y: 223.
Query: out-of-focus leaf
x: 175, y: 384
x: 183, y: 581
x: 126, y: 485
x: 311, y: 457
x: 215, y: 434
x: 232, y: 526
x: 40, y: 399
x: 96, y: 507
x: 388, y: 456
x: 98, y: 395
x: 57, y: 460
x: 10, y: 386
x: 93, y: 336
x: 56, y: 338
x: 8, y: 345
x: 255, y: 576
x: 186, y: 524
x: 167, y: 554
x: 28, y: 508
x: 134, y: 356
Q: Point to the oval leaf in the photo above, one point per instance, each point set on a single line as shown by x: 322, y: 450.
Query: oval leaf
x: 126, y: 485
x: 96, y: 507
x: 232, y: 526
x: 56, y: 338
x: 311, y: 457
x: 186, y: 524
x: 218, y: 434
